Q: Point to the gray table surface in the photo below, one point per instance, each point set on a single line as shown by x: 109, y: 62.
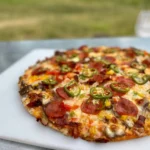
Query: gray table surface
x: 10, y: 52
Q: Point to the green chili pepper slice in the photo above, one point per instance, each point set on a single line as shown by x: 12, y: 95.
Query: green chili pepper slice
x: 60, y: 58
x: 119, y: 87
x: 138, y: 66
x: 75, y: 58
x: 105, y: 62
x: 89, y: 72
x: 65, y: 68
x: 100, y: 92
x: 140, y: 80
x: 50, y: 81
x: 82, y: 77
x: 72, y: 89
x: 137, y: 51
x: 148, y: 91
x: 114, y: 68
x: 110, y: 50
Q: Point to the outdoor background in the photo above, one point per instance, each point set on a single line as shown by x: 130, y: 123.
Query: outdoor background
x: 46, y: 19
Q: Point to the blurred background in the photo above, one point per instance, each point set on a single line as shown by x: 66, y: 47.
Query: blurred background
x: 46, y: 19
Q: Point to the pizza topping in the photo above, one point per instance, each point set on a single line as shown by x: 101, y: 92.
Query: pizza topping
x: 140, y: 80
x: 89, y: 107
x: 68, y: 107
x: 119, y: 87
x: 65, y: 69
x: 50, y: 81
x: 137, y: 51
x: 100, y: 78
x: 55, y: 109
x: 129, y: 82
x: 140, y: 122
x: 110, y: 50
x: 24, y: 89
x: 39, y: 71
x: 109, y: 59
x: 115, y: 68
x: 146, y: 62
x: 35, y: 100
x: 100, y: 92
x: 97, y: 65
x: 59, y: 78
x: 58, y: 53
x: 34, y: 103
x: 138, y: 66
x: 72, y: 88
x: 61, y: 92
x: 84, y: 48
x: 35, y: 96
x: 131, y: 53
x: 60, y: 58
x: 108, y: 104
x: 126, y: 107
x: 89, y: 72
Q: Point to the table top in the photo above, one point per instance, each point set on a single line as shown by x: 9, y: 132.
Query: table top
x: 13, y: 51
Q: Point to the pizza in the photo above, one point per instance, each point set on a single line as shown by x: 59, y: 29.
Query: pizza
x: 98, y: 94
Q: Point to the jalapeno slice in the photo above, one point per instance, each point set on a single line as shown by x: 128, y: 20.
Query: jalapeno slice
x: 60, y: 58
x: 72, y: 89
x: 119, y: 87
x: 148, y: 91
x: 105, y: 62
x: 110, y: 50
x: 100, y: 92
x: 138, y: 66
x: 75, y: 58
x: 140, y: 80
x: 89, y: 72
x: 50, y: 81
x: 65, y: 69
x: 114, y: 68
x: 137, y: 51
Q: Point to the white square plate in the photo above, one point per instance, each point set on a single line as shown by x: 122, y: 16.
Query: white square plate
x: 17, y: 125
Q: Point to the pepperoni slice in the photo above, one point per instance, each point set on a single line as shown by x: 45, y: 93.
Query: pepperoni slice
x: 126, y: 81
x: 83, y: 55
x: 89, y: 108
x: 146, y: 62
x: 126, y: 107
x: 131, y: 53
x: 60, y: 91
x: 98, y: 78
x: 97, y: 65
x: 110, y: 59
x: 83, y: 47
x: 39, y: 71
x: 55, y: 109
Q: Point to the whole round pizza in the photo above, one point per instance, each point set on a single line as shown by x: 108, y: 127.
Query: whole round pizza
x: 98, y: 94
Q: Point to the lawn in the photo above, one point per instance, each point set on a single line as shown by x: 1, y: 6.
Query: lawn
x: 45, y: 19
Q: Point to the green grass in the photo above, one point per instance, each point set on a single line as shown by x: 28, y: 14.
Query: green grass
x: 43, y: 19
